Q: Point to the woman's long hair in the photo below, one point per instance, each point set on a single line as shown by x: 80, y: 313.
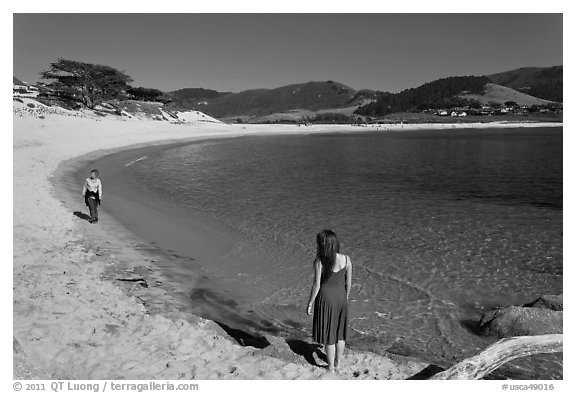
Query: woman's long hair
x: 327, y: 246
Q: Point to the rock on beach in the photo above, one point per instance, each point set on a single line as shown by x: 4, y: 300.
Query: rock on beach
x: 550, y: 302
x: 542, y: 316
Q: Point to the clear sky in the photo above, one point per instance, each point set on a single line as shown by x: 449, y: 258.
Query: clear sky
x: 234, y: 52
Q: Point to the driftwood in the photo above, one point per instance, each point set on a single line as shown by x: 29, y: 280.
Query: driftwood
x: 501, y: 352
x: 138, y: 280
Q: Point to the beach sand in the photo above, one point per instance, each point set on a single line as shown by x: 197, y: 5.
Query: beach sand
x: 72, y: 319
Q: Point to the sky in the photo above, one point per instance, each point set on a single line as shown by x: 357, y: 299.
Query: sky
x: 235, y: 52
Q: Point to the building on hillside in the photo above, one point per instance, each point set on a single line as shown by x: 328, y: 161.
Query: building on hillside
x: 24, y: 90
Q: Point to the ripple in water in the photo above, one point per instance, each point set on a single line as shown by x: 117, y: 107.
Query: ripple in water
x: 440, y: 225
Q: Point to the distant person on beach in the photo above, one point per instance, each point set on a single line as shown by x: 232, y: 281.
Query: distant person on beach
x: 92, y: 192
x: 329, y: 297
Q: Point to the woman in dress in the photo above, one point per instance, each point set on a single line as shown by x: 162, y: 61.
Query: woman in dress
x: 329, y: 297
x: 92, y: 192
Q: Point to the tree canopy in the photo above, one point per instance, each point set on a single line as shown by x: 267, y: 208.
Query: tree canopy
x: 430, y: 95
x: 89, y: 83
x: 144, y: 93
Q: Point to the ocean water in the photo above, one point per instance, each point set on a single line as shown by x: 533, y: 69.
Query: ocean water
x: 440, y: 226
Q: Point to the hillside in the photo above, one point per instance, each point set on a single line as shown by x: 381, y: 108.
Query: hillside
x: 311, y: 96
x: 192, y: 97
x: 502, y: 94
x: 333, y: 102
x: 471, y: 91
x: 545, y: 83
x: 330, y: 115
x: 121, y: 110
x: 436, y: 94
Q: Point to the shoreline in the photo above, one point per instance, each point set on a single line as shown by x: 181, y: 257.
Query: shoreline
x: 74, y: 323
x: 159, y: 265
x: 182, y: 244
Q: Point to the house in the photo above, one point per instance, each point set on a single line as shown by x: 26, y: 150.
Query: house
x: 24, y: 90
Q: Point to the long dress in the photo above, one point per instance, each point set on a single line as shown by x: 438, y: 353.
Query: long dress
x: 330, y: 319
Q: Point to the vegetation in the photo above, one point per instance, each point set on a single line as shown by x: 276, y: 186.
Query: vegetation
x: 430, y: 95
x: 545, y: 83
x: 262, y: 102
x: 196, y: 93
x: 144, y: 94
x: 73, y: 84
x: 549, y: 88
x: 89, y: 83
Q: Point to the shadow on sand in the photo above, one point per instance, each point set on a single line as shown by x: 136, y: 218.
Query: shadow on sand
x: 82, y: 215
x: 307, y: 350
x: 244, y: 338
x: 297, y: 348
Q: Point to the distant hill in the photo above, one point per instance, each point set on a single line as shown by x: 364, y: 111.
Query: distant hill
x: 436, y: 94
x: 502, y: 94
x: 191, y: 97
x: 297, y: 102
x: 545, y: 83
x: 332, y: 101
x: 525, y: 86
x: 17, y: 81
x: 310, y: 96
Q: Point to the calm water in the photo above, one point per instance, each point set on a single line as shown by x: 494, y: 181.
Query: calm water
x: 440, y: 226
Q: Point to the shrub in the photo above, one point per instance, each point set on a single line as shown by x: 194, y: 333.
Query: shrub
x: 30, y: 105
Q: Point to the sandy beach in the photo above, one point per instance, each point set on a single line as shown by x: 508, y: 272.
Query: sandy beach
x: 72, y: 319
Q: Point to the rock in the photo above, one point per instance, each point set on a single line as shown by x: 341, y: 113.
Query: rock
x: 520, y: 321
x: 550, y: 302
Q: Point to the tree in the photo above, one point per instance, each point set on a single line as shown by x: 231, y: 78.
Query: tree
x: 143, y: 93
x: 474, y: 104
x: 89, y: 83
